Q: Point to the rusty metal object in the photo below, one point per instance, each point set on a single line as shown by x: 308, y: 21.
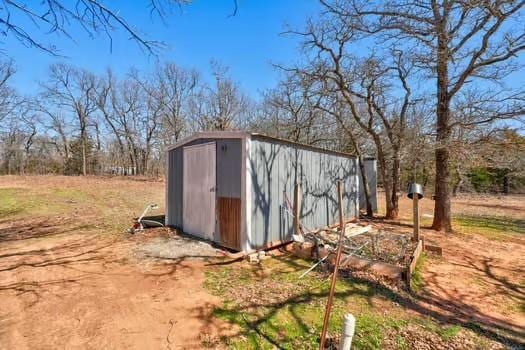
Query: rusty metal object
x: 336, y: 266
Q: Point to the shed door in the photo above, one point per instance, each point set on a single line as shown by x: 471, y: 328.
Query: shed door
x: 199, y: 182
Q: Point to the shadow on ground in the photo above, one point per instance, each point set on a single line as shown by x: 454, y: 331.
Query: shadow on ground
x: 257, y: 315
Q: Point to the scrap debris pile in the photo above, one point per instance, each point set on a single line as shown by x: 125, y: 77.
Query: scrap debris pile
x: 385, y: 246
x: 366, y: 251
x: 363, y: 241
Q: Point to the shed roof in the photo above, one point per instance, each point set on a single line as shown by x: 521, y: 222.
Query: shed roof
x: 245, y: 134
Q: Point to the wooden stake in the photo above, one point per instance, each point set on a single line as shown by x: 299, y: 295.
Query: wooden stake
x: 415, y: 212
x: 336, y: 265
x: 413, y: 262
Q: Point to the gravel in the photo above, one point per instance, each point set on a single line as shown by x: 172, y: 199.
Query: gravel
x: 175, y: 247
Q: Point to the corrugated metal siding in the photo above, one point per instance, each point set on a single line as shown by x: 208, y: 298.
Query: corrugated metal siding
x: 229, y: 154
x: 371, y: 174
x: 274, y: 169
x: 174, y: 188
x: 229, y: 159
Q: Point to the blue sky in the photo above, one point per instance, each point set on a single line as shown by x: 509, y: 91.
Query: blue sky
x: 196, y: 34
x: 204, y: 30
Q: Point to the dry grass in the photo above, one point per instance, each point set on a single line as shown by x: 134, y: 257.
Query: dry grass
x: 62, y: 252
x: 494, y: 216
x: 70, y: 276
x: 107, y: 204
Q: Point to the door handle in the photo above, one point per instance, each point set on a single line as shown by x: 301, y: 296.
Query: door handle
x: 213, y: 189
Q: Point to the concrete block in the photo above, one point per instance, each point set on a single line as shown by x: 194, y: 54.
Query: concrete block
x: 253, y: 258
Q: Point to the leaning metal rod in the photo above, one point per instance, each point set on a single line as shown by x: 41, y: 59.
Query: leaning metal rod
x: 314, y: 265
x: 327, y: 255
x: 358, y: 249
x: 336, y: 266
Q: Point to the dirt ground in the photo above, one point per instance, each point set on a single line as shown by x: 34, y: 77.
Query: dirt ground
x: 71, y: 278
x: 479, y: 281
x: 62, y: 286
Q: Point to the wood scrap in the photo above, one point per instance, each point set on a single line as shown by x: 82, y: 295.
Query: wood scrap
x: 413, y: 262
x: 434, y: 249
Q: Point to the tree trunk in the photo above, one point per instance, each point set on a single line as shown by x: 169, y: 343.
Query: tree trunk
x: 84, y: 158
x: 145, y: 161
x: 396, y: 173
x: 82, y: 120
x: 366, y: 187
x: 442, y: 217
x: 459, y: 183
x: 386, y: 184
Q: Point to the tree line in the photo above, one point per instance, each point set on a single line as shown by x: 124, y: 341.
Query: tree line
x: 420, y: 85
x: 83, y: 123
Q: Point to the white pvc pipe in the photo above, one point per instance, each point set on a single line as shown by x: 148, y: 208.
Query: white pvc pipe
x: 348, y: 332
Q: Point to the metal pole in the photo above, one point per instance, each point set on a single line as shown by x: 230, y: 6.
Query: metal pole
x: 336, y: 265
x: 348, y: 332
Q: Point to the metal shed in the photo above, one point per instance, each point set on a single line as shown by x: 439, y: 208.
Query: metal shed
x: 235, y: 188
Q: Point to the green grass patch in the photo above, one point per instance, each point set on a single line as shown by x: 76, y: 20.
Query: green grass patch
x: 417, y: 275
x: 16, y: 202
x: 70, y: 194
x: 216, y: 280
x: 9, y: 203
x: 111, y: 210
x: 272, y: 307
x: 497, y: 227
x: 446, y: 332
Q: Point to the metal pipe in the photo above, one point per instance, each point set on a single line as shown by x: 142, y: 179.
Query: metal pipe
x: 336, y: 267
x: 348, y: 332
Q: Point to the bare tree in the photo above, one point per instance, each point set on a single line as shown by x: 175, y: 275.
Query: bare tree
x: 132, y: 112
x: 221, y: 106
x: 294, y: 110
x: 104, y: 95
x: 369, y: 87
x: 171, y: 90
x: 29, y: 122
x: 454, y: 42
x: 95, y: 17
x: 148, y: 125
x: 336, y: 107
x: 8, y: 97
x: 72, y: 89
x: 57, y: 128
x: 127, y: 107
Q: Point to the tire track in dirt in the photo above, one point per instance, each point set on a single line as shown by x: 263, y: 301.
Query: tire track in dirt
x: 91, y: 294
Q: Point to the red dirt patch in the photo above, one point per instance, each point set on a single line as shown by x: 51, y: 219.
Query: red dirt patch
x: 478, y: 282
x: 86, y: 291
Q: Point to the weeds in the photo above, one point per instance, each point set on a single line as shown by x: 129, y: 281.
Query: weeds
x: 272, y: 306
x: 417, y: 275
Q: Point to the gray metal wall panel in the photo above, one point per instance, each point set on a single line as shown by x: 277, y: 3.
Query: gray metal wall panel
x: 371, y: 174
x: 275, y: 166
x: 229, y: 160
x: 229, y: 164
x: 174, y: 188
